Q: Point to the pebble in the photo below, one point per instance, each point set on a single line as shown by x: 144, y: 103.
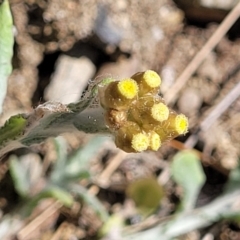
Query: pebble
x: 189, y: 101
x: 69, y: 80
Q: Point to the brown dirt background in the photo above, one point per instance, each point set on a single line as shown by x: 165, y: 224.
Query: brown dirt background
x: 119, y: 38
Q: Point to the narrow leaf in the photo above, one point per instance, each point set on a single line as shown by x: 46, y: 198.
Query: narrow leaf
x: 51, y: 191
x: 6, y: 48
x: 91, y: 200
x: 59, y: 194
x: 234, y: 180
x: 20, y: 177
x: 13, y: 128
x: 78, y: 164
x: 58, y: 172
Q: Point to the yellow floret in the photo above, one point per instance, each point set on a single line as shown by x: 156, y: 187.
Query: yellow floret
x: 181, y: 124
x: 148, y: 82
x: 154, y: 141
x: 160, y: 112
x: 152, y: 79
x: 128, y: 88
x: 140, y: 142
x: 118, y: 94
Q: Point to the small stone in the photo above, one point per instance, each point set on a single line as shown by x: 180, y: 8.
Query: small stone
x: 69, y: 79
x: 189, y: 101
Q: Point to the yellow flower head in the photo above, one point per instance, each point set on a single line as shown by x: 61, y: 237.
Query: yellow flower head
x: 140, y: 142
x: 160, y: 112
x: 175, y: 125
x: 154, y: 141
x: 181, y: 124
x: 128, y: 88
x: 152, y: 79
x: 118, y: 94
x: 148, y: 82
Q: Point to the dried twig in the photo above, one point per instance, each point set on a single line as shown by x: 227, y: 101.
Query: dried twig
x: 39, y: 220
x: 221, y: 107
x: 103, y: 179
x: 171, y: 94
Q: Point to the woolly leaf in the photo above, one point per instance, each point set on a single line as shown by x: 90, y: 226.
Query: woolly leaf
x: 78, y: 164
x: 188, y: 173
x: 13, y: 128
x: 6, y: 48
x: 58, y: 193
x: 20, y: 176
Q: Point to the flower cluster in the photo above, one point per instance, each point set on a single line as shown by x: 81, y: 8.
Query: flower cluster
x: 137, y: 115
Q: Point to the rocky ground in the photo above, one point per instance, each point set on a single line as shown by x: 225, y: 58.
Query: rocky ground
x: 62, y: 46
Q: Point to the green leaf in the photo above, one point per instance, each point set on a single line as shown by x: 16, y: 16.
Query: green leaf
x: 58, y: 173
x: 91, y: 120
x: 57, y: 121
x: 233, y: 181
x: 69, y: 168
x: 58, y: 193
x: 188, y: 173
x: 78, y: 164
x: 50, y: 120
x: 91, y: 200
x: 51, y: 191
x: 6, y: 48
x: 13, y: 128
x: 20, y: 176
